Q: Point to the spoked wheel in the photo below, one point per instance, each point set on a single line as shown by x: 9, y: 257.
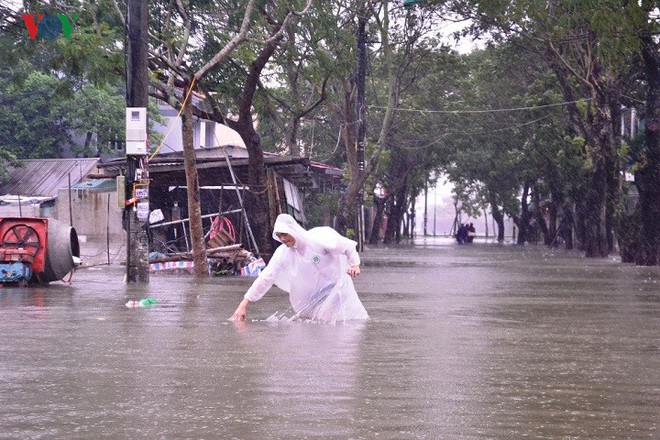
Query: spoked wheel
x: 21, y: 236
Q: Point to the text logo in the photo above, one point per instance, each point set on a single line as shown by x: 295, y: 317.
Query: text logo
x: 49, y: 27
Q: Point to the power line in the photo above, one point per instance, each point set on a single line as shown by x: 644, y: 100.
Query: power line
x: 474, y: 133
x: 634, y: 99
x: 559, y: 104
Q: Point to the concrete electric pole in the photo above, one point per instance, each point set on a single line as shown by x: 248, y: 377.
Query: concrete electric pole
x: 136, y: 207
x: 362, y: 127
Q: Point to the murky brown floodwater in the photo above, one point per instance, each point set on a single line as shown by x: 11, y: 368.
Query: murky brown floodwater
x: 465, y: 342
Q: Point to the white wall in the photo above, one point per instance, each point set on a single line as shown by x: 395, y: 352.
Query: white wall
x: 89, y: 213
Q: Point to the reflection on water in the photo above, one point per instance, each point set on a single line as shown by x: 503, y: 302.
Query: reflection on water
x: 483, y: 341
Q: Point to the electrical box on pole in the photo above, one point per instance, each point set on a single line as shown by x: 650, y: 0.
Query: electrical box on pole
x: 136, y: 131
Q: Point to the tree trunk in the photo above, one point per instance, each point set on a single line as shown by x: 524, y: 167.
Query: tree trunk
x: 292, y: 138
x: 395, y: 218
x: 256, y: 199
x: 194, y: 209
x: 88, y: 142
x: 497, y: 216
x: 540, y: 219
x: 595, y: 239
x: 499, y: 221
x: 596, y: 129
x: 256, y: 204
x: 580, y: 230
x: 629, y: 234
x: 614, y: 182
x: 347, y: 203
x: 648, y: 177
x: 523, y: 221
x: 486, y: 222
x: 389, y: 202
x: 566, y: 227
x: 412, y: 211
x: 377, y: 225
x: 552, y: 221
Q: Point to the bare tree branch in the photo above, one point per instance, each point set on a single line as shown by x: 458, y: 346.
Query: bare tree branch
x: 231, y: 45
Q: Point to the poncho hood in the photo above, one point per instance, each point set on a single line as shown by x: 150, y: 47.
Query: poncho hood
x: 285, y: 224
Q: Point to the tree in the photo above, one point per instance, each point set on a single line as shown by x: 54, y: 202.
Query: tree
x: 565, y: 36
x: 55, y: 89
x: 174, y: 81
x: 269, y: 19
x: 404, y: 39
x: 486, y: 154
x: 648, y: 178
x: 33, y: 124
x: 96, y: 112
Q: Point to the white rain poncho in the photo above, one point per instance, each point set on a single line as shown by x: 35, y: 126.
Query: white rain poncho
x: 313, y: 271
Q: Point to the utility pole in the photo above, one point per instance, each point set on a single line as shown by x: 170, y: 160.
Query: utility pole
x: 426, y: 205
x: 435, y: 208
x: 362, y: 129
x: 136, y: 206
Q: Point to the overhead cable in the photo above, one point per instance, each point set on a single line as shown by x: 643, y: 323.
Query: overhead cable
x: 559, y: 104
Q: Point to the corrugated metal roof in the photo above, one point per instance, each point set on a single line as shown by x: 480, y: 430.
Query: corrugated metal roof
x: 10, y: 199
x: 96, y: 185
x: 43, y: 177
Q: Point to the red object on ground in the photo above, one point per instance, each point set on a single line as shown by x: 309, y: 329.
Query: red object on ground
x: 24, y: 239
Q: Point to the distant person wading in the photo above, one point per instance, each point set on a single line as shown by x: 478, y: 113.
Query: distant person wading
x: 466, y: 233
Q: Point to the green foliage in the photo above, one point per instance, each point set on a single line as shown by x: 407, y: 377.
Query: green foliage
x: 419, y: 142
x: 33, y: 121
x: 316, y: 56
x: 489, y: 154
x: 60, y: 94
x: 320, y: 208
x: 7, y: 159
x: 53, y: 89
x: 41, y: 120
x: 98, y: 110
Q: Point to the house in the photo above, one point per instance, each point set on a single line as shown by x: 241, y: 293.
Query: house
x: 222, y: 165
x: 83, y: 192
x: 223, y: 186
x: 32, y: 190
x: 206, y: 134
x: 60, y: 189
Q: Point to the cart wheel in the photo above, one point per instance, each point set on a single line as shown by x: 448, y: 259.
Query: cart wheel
x: 22, y: 236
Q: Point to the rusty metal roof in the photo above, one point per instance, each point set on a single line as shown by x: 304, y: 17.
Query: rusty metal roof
x: 43, y: 177
x: 213, y: 168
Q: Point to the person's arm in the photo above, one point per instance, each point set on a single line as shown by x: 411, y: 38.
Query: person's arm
x: 259, y: 287
x: 241, y: 311
x: 256, y: 291
x: 347, y: 247
x: 354, y: 269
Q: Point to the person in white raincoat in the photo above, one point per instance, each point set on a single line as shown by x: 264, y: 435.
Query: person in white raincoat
x: 315, y: 267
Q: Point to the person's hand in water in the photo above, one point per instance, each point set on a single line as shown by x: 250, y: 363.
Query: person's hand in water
x: 241, y: 311
x: 354, y: 270
x: 240, y: 325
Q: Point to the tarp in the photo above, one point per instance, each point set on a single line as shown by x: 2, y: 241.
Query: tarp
x: 294, y: 200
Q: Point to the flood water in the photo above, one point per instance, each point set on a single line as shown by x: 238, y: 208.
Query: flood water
x: 483, y: 341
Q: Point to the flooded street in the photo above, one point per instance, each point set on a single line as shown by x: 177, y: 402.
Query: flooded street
x: 483, y: 341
